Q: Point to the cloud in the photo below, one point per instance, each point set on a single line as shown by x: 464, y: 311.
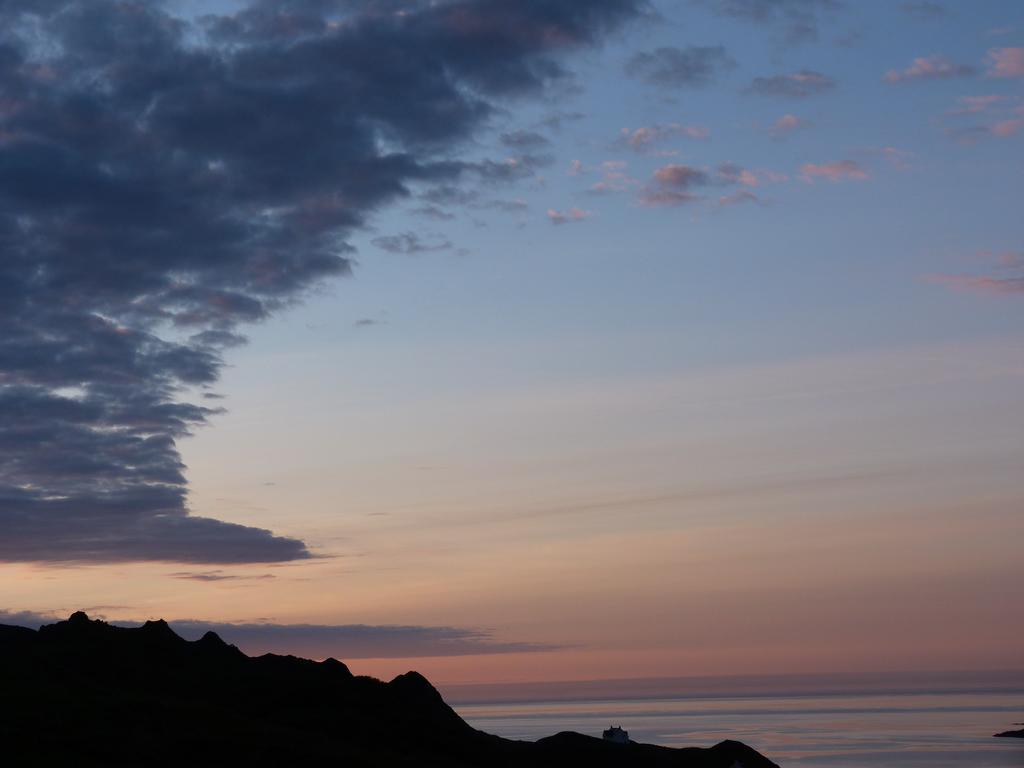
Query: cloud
x: 502, y: 206
x: 643, y: 138
x: 1006, y: 62
x: 974, y: 105
x: 798, y: 19
x: 557, y: 120
x: 994, y: 116
x: 166, y: 181
x: 217, y: 575
x: 929, y: 68
x: 679, y: 67
x: 923, y: 9
x: 30, y: 619
x: 355, y: 641
x: 614, y: 178
x: 566, y: 217
x: 981, y: 283
x: 797, y: 85
x: 433, y: 212
x: 524, y: 140
x: 787, y: 125
x: 896, y: 157
x: 1006, y: 128
x: 741, y: 196
x: 409, y: 243
x: 341, y: 641
x: 1008, y: 278
x: 837, y: 171
x: 731, y: 173
x: 679, y: 176
x: 673, y: 184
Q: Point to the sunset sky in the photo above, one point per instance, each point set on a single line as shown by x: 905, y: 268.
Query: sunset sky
x: 519, y: 341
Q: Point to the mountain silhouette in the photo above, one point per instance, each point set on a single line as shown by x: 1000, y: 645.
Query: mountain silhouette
x: 84, y: 692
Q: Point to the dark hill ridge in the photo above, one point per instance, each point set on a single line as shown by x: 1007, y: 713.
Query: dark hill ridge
x: 84, y: 692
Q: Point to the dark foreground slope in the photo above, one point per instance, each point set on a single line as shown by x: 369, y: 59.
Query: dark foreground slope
x: 83, y: 692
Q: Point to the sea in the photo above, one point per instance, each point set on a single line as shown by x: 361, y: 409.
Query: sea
x: 837, y: 729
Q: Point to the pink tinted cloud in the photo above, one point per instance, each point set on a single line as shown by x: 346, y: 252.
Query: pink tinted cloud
x: 577, y: 168
x: 897, y: 158
x: 1000, y: 116
x: 672, y: 185
x: 980, y: 283
x: 929, y: 68
x: 1008, y: 276
x: 836, y: 171
x: 786, y: 125
x: 1006, y: 128
x: 566, y: 217
x: 677, y: 175
x: 976, y: 105
x: 734, y: 174
x: 1006, y: 62
x: 614, y: 178
x: 643, y: 138
x: 1009, y: 259
x: 654, y: 198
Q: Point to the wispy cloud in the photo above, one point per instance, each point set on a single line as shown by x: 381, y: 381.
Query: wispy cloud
x: 615, y: 177
x: 218, y: 575
x: 673, y: 184
x: 735, y: 174
x: 786, y: 125
x: 578, y: 168
x: 741, y: 196
x: 974, y: 105
x: 643, y: 139
x: 981, y: 283
x: 839, y: 170
x: 433, y: 212
x: 1007, y: 277
x: 1006, y: 62
x: 896, y: 157
x: 798, y: 20
x: 567, y: 216
x: 795, y: 85
x: 341, y: 641
x: 987, y: 116
x: 929, y: 68
x: 410, y: 243
x: 524, y: 140
x: 923, y: 9
x: 680, y: 67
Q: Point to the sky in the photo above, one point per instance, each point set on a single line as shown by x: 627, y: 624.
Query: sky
x: 519, y: 342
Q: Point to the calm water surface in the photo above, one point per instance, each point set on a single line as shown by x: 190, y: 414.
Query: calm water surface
x: 837, y: 731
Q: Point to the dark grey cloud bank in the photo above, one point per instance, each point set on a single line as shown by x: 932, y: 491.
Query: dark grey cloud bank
x: 342, y: 641
x: 165, y: 181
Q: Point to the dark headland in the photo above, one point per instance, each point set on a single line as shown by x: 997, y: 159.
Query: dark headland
x: 84, y: 692
x: 1012, y: 734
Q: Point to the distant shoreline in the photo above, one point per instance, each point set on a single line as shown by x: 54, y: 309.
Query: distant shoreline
x: 738, y: 686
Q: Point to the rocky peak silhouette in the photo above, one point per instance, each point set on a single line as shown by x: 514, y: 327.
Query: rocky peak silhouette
x: 88, y: 693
